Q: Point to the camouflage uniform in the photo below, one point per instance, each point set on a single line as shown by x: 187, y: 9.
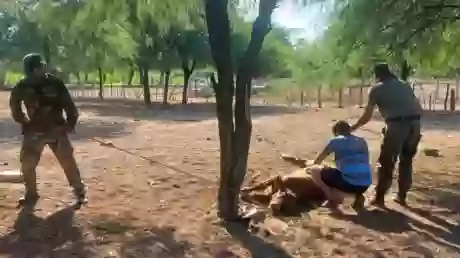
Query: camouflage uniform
x: 45, y: 99
x: 401, y: 111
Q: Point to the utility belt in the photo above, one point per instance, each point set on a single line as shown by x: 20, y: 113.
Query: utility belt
x: 402, y: 119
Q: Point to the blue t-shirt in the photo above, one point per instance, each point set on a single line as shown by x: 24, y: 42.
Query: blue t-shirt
x: 352, y: 159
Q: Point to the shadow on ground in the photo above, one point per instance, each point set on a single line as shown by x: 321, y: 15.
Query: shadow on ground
x: 54, y: 236
x: 439, y: 188
x: 397, y: 222
x: 63, y: 235
x: 11, y: 131
x: 256, y: 246
x: 193, y: 112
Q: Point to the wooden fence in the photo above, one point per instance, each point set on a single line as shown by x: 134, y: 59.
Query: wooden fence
x: 432, y: 94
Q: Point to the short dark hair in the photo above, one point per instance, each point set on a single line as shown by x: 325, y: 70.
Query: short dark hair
x: 382, y: 70
x: 31, y: 62
x: 342, y: 127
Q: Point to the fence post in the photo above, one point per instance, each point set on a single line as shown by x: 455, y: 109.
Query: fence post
x: 446, y: 99
x: 429, y: 104
x: 361, y: 97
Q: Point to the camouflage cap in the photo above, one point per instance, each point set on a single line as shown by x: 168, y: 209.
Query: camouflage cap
x: 31, y: 62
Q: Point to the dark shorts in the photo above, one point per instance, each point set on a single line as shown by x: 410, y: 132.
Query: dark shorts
x: 332, y: 177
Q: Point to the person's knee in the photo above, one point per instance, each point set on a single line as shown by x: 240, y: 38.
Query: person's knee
x: 316, y: 171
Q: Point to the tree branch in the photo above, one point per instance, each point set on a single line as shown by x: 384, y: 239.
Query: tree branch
x: 437, y: 20
x: 442, y: 6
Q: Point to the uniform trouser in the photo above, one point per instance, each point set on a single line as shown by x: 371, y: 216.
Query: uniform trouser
x: 31, y: 151
x: 401, y: 141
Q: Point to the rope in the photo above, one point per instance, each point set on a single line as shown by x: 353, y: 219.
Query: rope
x: 175, y: 169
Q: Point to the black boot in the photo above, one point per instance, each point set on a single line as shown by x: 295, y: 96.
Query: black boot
x: 401, y: 199
x: 29, y: 199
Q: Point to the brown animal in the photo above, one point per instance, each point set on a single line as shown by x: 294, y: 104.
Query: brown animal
x: 285, y: 193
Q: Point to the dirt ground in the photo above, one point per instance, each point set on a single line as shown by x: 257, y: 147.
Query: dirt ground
x: 163, y: 207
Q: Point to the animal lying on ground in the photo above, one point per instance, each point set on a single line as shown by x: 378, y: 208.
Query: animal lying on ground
x: 285, y: 193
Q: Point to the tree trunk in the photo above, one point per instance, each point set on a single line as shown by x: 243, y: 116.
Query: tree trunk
x: 144, y: 79
x: 446, y: 98
x: 431, y: 102
x: 166, y: 87
x: 162, y: 78
x: 361, y: 89
x: 302, y: 99
x: 86, y: 78
x: 350, y: 95
x: 452, y: 100
x: 405, y: 70
x: 101, y: 83
x: 47, y: 51
x: 131, y: 76
x: 340, y: 97
x: 77, y: 75
x: 436, y: 92
x: 319, y: 98
x: 234, y: 138
x: 187, y: 73
x: 457, y: 87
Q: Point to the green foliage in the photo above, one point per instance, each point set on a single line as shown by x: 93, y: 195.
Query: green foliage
x: 363, y: 32
x: 78, y: 37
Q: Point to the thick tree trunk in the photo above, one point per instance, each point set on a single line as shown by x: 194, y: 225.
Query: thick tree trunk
x: 234, y: 138
x: 187, y: 73
x: 166, y: 87
x: 452, y: 100
x: 144, y: 79
x: 86, y: 78
x: 101, y: 83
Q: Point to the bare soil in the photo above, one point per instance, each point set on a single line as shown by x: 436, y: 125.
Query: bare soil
x: 152, y: 188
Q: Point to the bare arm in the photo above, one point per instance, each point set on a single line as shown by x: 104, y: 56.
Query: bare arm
x: 15, y: 103
x: 368, y: 111
x: 365, y: 117
x: 322, y: 155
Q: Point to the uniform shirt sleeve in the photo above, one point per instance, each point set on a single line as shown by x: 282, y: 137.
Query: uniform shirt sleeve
x: 15, y: 103
x: 68, y: 104
x: 373, y: 96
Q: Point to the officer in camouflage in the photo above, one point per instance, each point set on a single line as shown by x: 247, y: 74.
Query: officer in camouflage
x: 45, y: 97
x: 402, y: 112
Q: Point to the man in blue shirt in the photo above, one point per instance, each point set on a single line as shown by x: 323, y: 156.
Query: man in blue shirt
x: 352, y: 174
